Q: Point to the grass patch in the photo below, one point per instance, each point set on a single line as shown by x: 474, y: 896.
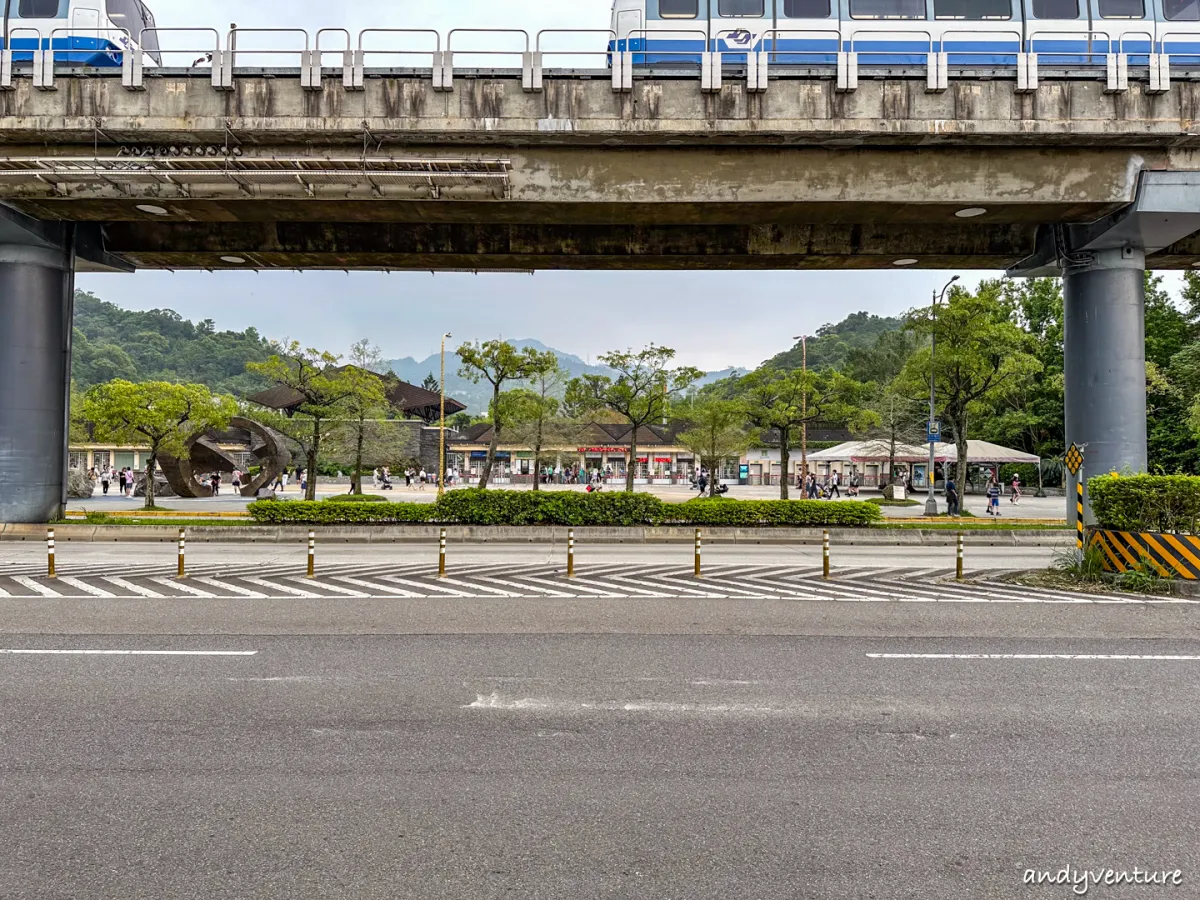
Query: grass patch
x: 883, y: 501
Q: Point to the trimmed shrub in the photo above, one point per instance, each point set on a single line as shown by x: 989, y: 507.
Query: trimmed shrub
x: 307, y: 512
x: 767, y: 513
x: 356, y: 498
x: 476, y: 507
x: 1156, y: 503
x: 618, y: 509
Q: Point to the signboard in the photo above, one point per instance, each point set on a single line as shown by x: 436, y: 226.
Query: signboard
x: 662, y: 459
x: 482, y: 454
x: 933, y: 432
x: 1074, y: 459
x: 602, y: 449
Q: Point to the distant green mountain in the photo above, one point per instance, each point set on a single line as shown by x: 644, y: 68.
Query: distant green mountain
x: 160, y: 345
x: 830, y: 347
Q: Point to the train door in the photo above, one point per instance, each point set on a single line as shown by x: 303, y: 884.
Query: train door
x: 1124, y: 26
x: 1060, y: 32
x: 806, y: 32
x: 628, y: 24
x: 979, y: 32
x: 677, y: 32
x: 887, y: 32
x: 738, y: 26
x: 1177, y: 33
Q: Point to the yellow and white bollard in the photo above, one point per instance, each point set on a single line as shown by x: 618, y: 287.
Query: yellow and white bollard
x: 825, y: 554
x: 312, y: 554
x: 50, y: 553
x: 959, y: 568
x: 442, y: 554
x: 697, y: 572
x: 570, y: 552
x: 181, y: 573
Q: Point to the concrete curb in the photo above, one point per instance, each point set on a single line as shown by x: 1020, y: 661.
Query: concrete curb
x: 394, y: 534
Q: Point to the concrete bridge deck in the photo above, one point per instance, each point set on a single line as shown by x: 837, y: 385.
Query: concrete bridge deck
x: 802, y: 176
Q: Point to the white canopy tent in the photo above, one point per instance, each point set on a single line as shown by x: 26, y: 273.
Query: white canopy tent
x: 983, y: 453
x: 869, y: 451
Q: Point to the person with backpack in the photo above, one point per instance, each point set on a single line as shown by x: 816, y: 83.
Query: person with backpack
x: 951, y: 498
x: 993, y: 495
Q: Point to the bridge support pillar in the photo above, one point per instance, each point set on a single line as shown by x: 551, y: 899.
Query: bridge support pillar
x: 1105, y: 365
x: 37, y: 287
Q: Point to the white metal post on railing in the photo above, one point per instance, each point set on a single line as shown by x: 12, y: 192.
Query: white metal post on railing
x: 357, y: 78
x: 229, y: 57
x: 537, y: 62
x: 973, y: 36
x: 310, y: 72
x: 447, y: 79
x: 6, y: 57
x: 133, y: 75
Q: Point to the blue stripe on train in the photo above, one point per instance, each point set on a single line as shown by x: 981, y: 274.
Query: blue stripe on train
x: 70, y: 51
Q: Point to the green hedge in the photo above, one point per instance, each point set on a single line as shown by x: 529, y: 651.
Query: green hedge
x: 617, y: 509
x: 1158, y: 503
x: 767, y: 513
x: 307, y: 512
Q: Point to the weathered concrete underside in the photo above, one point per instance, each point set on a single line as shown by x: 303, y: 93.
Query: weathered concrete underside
x: 664, y: 177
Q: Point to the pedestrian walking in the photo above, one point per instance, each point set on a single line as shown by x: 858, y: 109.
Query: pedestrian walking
x: 834, y: 485
x: 1015, y: 496
x: 303, y: 476
x: 105, y: 480
x: 121, y: 482
x: 280, y: 482
x: 951, y: 498
x: 422, y: 478
x: 215, y: 482
x: 993, y: 495
x: 283, y: 480
x: 237, y: 481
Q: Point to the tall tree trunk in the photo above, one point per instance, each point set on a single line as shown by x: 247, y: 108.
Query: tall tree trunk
x: 537, y: 455
x: 313, y: 453
x: 632, y: 467
x: 356, y: 478
x: 485, y: 476
x: 891, y: 472
x: 714, y: 479
x: 961, y: 468
x: 150, y: 466
x: 785, y: 459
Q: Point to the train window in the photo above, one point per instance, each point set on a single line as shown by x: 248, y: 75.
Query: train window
x: 978, y: 10
x: 40, y: 9
x: 754, y: 8
x: 1122, y: 9
x: 1182, y: 10
x: 679, y: 9
x: 806, y: 9
x: 887, y: 9
x: 1056, y: 9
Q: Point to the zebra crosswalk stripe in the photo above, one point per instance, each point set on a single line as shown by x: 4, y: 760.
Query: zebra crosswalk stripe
x: 395, y: 579
x: 180, y: 586
x: 27, y: 582
x: 275, y: 586
x: 130, y: 586
x: 84, y: 586
x: 325, y: 585
x: 230, y: 586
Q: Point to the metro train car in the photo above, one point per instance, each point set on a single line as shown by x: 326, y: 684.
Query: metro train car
x: 82, y: 32
x: 974, y: 33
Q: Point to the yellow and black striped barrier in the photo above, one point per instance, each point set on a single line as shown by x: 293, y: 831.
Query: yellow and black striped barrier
x: 1176, y: 555
x: 1079, y: 516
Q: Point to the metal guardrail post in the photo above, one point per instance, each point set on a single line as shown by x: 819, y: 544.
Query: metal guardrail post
x: 1027, y: 73
x: 6, y: 70
x: 1160, y: 73
x: 570, y: 552
x: 442, y: 554
x: 43, y: 69
x: 697, y: 569
x: 825, y: 555
x: 312, y: 554
x: 758, y: 70
x: 710, y: 72
x: 182, y: 571
x: 132, y: 74
x: 847, y: 71
x: 958, y: 571
x: 1117, y: 75
x: 50, y: 573
x: 532, y: 74
x: 938, y: 77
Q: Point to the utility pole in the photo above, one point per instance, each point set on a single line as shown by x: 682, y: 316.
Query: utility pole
x: 931, y: 508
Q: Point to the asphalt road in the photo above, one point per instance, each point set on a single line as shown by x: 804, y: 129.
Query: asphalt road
x: 594, y: 766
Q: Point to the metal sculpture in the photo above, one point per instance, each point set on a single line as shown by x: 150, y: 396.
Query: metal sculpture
x: 204, y: 454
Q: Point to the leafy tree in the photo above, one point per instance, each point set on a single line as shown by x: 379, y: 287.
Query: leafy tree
x: 640, y: 393
x: 716, y: 431
x: 981, y: 354
x: 832, y: 344
x: 158, y: 415
x: 882, y: 361
x: 498, y: 363
x: 532, y: 414
x: 894, y: 420
x: 325, y: 393
x: 786, y: 400
x: 368, y: 356
x: 359, y: 435
x: 460, y: 420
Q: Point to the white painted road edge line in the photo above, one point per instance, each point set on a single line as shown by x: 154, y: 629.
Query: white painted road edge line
x: 1029, y: 656
x: 131, y: 652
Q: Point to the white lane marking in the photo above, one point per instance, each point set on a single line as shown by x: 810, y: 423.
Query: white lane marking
x: 240, y: 591
x: 130, y: 652
x: 575, y: 585
x: 181, y: 586
x: 130, y: 586
x: 295, y: 592
x: 488, y: 591
x: 34, y: 586
x: 377, y: 590
x: 1030, y: 656
x: 349, y: 592
x: 393, y: 579
x: 549, y: 592
x: 84, y: 586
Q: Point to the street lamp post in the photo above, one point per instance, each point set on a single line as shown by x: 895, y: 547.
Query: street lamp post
x: 931, y: 508
x: 442, y: 430
x: 803, y: 339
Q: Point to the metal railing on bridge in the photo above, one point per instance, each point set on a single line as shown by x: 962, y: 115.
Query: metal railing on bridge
x: 780, y: 52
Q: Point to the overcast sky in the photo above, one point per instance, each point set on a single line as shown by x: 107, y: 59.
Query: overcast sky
x: 714, y: 319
